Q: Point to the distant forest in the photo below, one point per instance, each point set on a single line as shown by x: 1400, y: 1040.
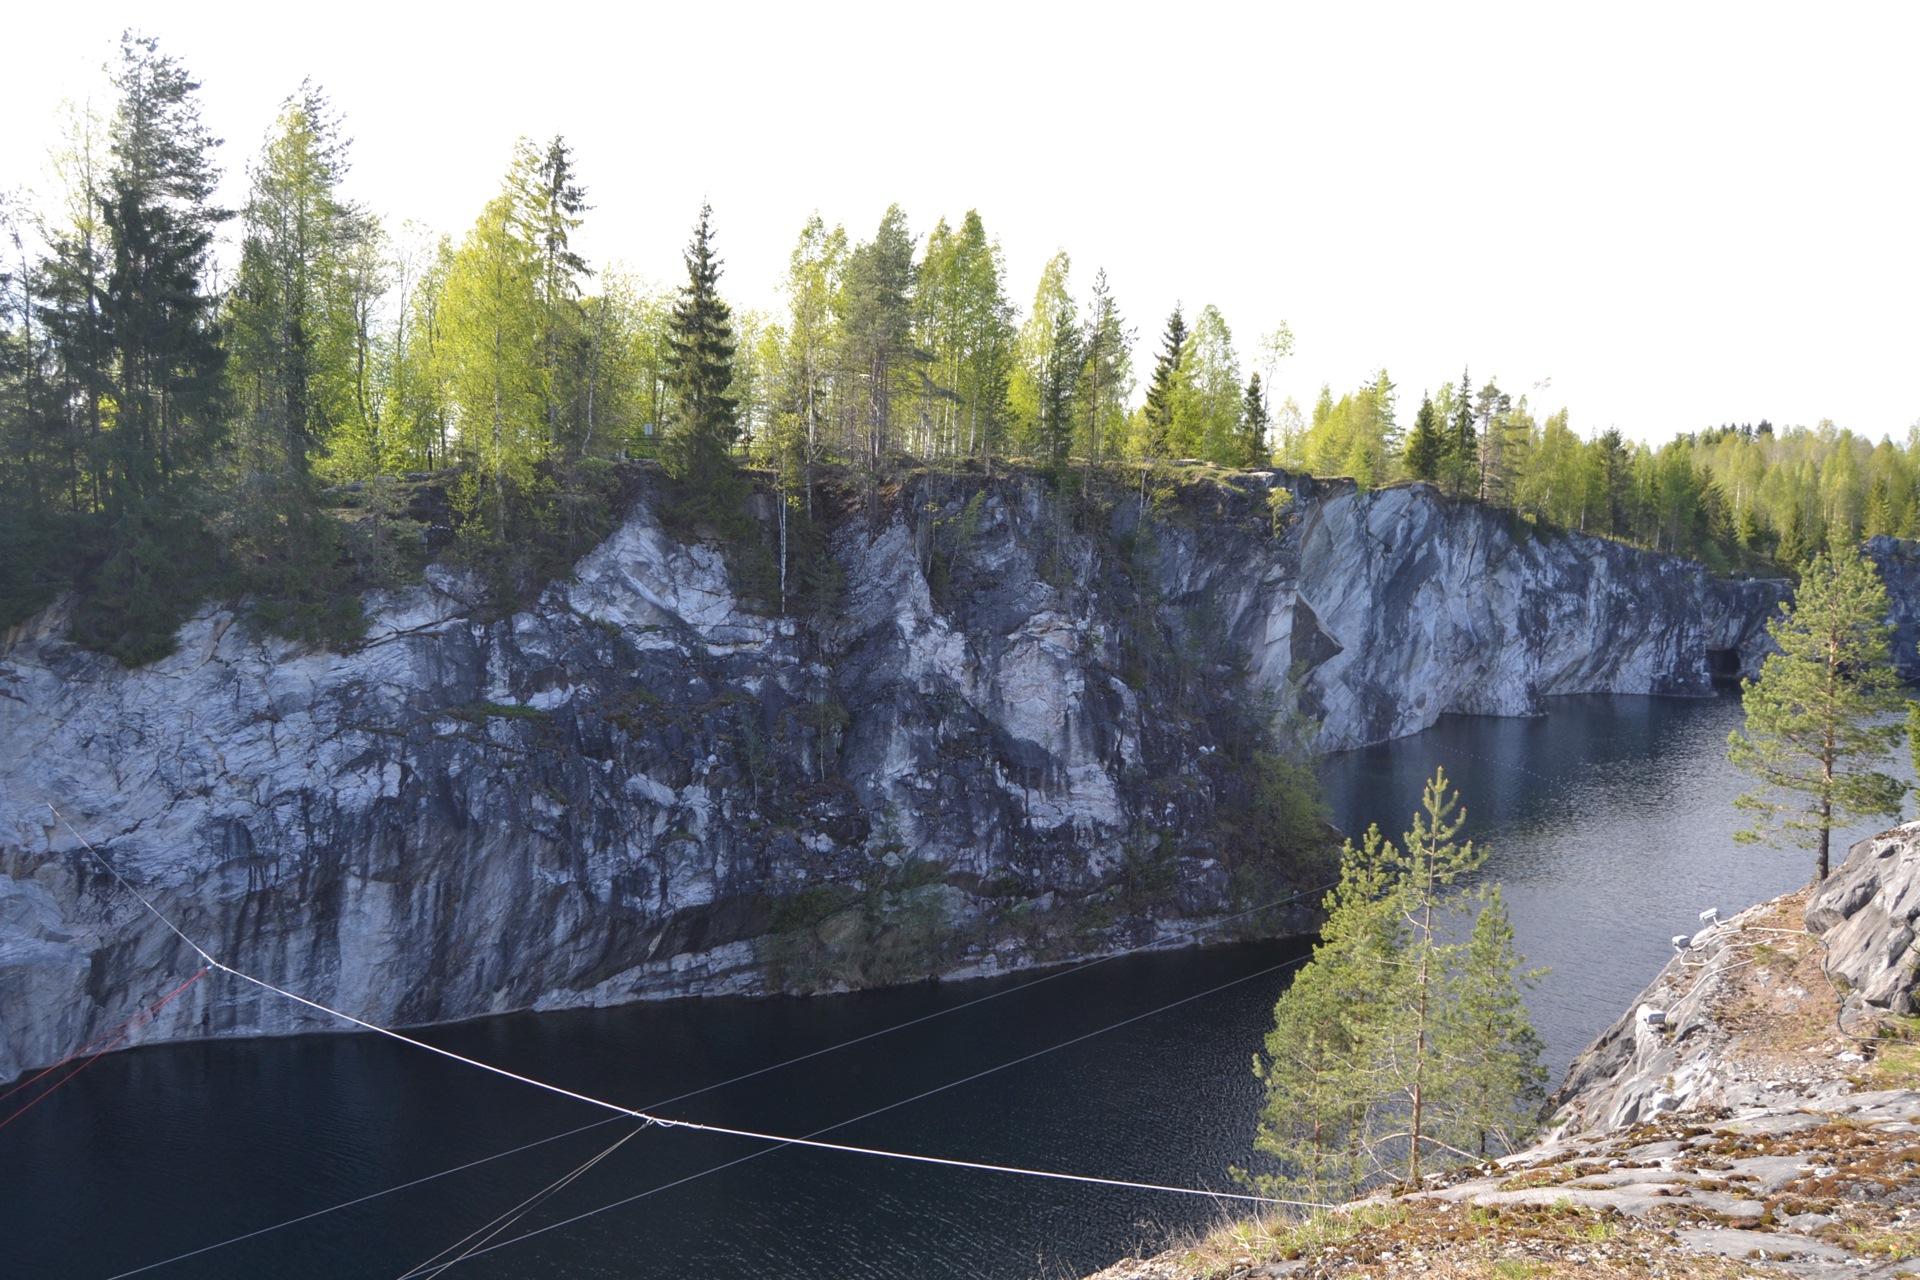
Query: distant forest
x: 170, y: 432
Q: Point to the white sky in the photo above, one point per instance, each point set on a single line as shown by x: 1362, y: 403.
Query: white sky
x: 1682, y: 214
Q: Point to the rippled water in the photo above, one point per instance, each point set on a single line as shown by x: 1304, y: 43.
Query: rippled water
x: 1610, y: 824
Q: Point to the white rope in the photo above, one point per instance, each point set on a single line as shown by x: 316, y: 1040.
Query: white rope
x: 1064, y: 972
x: 985, y: 1168
x: 868, y: 1115
x: 666, y: 1122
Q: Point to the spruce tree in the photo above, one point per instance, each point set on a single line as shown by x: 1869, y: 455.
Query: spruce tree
x: 700, y: 377
x: 157, y: 314
x: 556, y: 200
x: 1460, y: 459
x: 1791, y: 548
x: 1424, y: 445
x: 1254, y: 451
x: 1059, y: 382
x: 1163, y: 390
x: 1818, y: 716
x: 142, y: 325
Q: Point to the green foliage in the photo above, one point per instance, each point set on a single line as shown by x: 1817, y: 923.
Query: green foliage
x: 700, y: 377
x: 1819, y: 716
x: 890, y: 927
x: 162, y: 563
x: 293, y: 566
x: 1395, y: 1042
x: 521, y: 534
x: 309, y: 271
x: 345, y: 350
x: 1425, y: 443
x: 1251, y: 448
x: 1354, y: 436
x: 37, y: 561
x: 1156, y: 439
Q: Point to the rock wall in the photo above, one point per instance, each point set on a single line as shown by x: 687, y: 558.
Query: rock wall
x: 1898, y: 560
x: 1026, y: 732
x: 1403, y: 607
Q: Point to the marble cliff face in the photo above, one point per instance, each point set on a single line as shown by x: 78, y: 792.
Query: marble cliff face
x: 1020, y: 734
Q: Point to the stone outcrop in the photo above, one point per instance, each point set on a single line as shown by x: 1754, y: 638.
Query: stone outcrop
x: 1678, y: 1049
x: 1023, y: 733
x: 1865, y: 914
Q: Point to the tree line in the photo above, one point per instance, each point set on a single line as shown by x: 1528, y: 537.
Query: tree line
x: 1738, y: 497
x: 167, y: 432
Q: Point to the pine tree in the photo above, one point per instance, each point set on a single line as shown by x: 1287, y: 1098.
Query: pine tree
x: 1394, y: 1043
x: 878, y: 358
x: 1499, y: 1079
x: 1424, y: 444
x: 700, y: 376
x: 1817, y: 717
x: 1320, y: 1082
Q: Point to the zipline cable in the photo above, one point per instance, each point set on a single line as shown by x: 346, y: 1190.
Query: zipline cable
x: 528, y: 1146
x: 667, y: 1122
x: 1063, y: 972
x: 551, y: 1088
x: 678, y: 1182
x: 348, y: 1204
x: 488, y: 1231
x: 105, y: 1040
x: 1066, y: 972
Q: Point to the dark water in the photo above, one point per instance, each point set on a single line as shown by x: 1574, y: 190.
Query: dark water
x: 1610, y: 823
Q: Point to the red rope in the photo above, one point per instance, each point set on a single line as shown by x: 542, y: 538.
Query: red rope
x: 115, y: 1036
x: 110, y: 1036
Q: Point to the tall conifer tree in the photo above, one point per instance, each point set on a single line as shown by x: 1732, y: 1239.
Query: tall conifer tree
x: 1253, y: 425
x: 1424, y: 444
x: 700, y: 376
x: 1163, y: 392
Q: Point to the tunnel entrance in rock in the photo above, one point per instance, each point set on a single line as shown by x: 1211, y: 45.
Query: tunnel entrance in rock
x: 1723, y: 667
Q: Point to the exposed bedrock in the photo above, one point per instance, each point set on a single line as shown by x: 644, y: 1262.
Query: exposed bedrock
x: 1022, y: 735
x: 1681, y: 1046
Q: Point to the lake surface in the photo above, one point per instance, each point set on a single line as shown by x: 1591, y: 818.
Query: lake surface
x: 1610, y: 824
